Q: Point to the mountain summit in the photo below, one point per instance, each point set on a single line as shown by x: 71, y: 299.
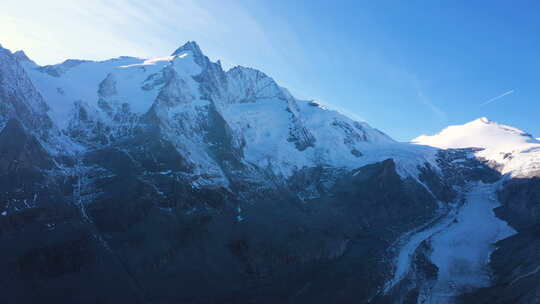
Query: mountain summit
x: 508, y: 148
x: 191, y: 46
x: 479, y: 133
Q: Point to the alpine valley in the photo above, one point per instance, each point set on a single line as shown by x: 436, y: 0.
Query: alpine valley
x: 172, y: 180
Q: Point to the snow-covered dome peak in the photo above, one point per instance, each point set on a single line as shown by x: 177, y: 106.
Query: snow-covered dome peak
x: 479, y: 133
x: 510, y: 149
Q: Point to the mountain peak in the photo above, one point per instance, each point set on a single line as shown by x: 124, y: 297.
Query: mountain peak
x: 22, y: 57
x: 483, y: 119
x: 191, y: 46
x: 479, y: 133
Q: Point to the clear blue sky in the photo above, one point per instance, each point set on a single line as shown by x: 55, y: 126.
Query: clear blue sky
x: 406, y: 67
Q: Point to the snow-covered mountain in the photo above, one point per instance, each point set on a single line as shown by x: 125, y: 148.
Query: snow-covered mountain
x: 510, y: 150
x: 171, y: 180
x: 141, y: 163
x: 98, y: 103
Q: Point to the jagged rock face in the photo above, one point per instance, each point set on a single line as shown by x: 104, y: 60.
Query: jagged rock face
x: 521, y: 197
x: 21, y: 151
x: 23, y: 162
x: 458, y: 167
x: 19, y: 98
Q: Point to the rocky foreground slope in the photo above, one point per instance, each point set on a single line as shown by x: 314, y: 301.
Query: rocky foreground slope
x: 171, y: 180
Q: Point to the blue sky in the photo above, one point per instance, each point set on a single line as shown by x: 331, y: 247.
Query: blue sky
x: 406, y: 67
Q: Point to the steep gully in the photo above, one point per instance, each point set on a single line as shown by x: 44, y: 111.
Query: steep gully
x: 461, y: 242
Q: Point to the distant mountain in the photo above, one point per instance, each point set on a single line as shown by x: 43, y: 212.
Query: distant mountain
x: 480, y: 133
x: 171, y: 180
